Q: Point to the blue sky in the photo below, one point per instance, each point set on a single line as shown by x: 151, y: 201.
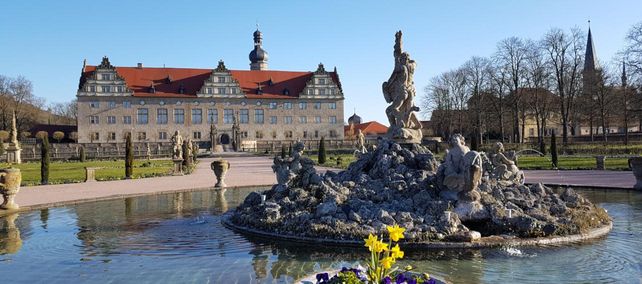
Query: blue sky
x: 47, y: 41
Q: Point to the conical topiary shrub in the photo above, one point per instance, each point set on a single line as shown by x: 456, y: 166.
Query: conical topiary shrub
x: 44, y: 160
x: 322, y: 153
x: 129, y: 157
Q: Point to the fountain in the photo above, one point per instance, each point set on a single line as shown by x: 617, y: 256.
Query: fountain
x: 466, y: 201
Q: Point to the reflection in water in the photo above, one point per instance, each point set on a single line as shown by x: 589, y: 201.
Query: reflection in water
x: 179, y: 236
x: 10, y: 241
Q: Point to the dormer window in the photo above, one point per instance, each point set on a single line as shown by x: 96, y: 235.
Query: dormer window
x: 221, y: 91
x: 310, y: 92
x: 152, y: 89
x: 322, y: 92
x: 105, y: 77
x: 321, y: 81
x: 120, y: 89
x: 168, y: 79
x: 286, y: 92
x: 106, y: 89
x: 181, y: 89
x: 221, y: 79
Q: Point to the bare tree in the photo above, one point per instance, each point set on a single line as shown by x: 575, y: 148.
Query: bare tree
x: 564, y: 53
x: 67, y: 110
x: 633, y: 48
x: 511, y: 55
x: 477, y: 73
x: 539, y: 101
x: 446, y: 96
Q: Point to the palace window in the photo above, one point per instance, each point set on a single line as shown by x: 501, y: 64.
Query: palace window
x: 162, y: 135
x: 197, y: 135
x: 233, y: 90
x: 228, y: 116
x: 243, y: 134
x: 111, y: 119
x: 141, y: 136
x: 161, y: 116
x: 258, y: 116
x: 317, y: 119
x: 105, y: 77
x: 287, y: 119
x: 333, y: 120
x: 93, y: 119
x: 120, y: 89
x: 111, y: 136
x: 317, y: 105
x: 305, y: 134
x: 142, y: 116
x: 303, y: 105
x: 212, y: 116
x: 127, y: 119
x: 92, y: 88
x: 332, y: 105
x: 106, y: 89
x: 258, y: 135
x: 273, y: 105
x: 197, y: 116
x: 273, y: 134
x: 321, y: 81
x: 316, y: 134
x: 112, y: 104
x: 94, y: 104
x: 244, y: 116
x: 208, y: 90
x: 288, y: 134
x: 221, y: 91
x: 333, y: 133
x: 221, y: 79
x: 127, y: 104
x: 310, y: 91
x: 179, y: 116
x: 322, y: 92
x: 303, y: 119
x: 95, y: 136
x: 273, y: 120
x: 287, y: 105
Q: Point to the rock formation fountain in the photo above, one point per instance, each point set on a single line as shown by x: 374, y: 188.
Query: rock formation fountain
x: 469, y: 199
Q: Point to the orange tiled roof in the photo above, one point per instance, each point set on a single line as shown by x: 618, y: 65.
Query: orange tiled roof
x: 139, y: 81
x: 370, y: 127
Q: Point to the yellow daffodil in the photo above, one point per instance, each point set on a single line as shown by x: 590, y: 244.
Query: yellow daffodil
x: 396, y: 232
x: 380, y: 246
x: 387, y: 262
x: 371, y: 242
x: 396, y: 252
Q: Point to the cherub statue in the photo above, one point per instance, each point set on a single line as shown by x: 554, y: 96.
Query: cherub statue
x: 361, y: 142
x: 504, y: 169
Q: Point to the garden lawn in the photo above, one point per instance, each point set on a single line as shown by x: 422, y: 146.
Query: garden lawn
x: 73, y: 172
x: 570, y: 163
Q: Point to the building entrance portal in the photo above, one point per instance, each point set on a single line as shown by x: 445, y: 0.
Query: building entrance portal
x: 225, y: 139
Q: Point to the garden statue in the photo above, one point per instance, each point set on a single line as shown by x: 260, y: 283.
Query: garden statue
x: 459, y: 170
x: 361, y: 142
x: 177, y: 146
x: 188, y: 153
x: 400, y: 91
x: 213, y: 135
x: 298, y: 168
x: 148, y: 151
x: 504, y: 169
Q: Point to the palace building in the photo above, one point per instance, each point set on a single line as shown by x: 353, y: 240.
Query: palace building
x: 153, y: 102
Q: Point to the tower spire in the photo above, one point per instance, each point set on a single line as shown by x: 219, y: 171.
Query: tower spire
x: 590, y: 57
x: 624, y: 79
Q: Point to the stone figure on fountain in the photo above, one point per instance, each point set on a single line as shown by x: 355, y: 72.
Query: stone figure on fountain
x: 177, y: 146
x: 503, y: 168
x: 400, y: 92
x: 297, y: 170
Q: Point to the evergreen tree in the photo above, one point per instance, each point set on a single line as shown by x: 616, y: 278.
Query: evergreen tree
x: 129, y: 157
x: 282, y: 151
x: 82, y: 155
x: 542, y: 146
x: 553, y: 150
x: 44, y: 160
x: 322, y: 153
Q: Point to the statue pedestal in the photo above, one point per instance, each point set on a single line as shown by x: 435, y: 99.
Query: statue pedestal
x: 13, y: 154
x: 178, y: 167
x: 405, y: 135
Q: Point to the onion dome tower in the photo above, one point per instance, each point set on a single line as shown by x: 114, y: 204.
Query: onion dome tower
x: 354, y: 119
x: 258, y: 56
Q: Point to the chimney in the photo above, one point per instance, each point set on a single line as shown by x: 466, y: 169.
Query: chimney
x: 139, y: 66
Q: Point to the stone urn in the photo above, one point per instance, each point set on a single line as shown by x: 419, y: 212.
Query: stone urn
x: 635, y: 163
x: 10, y: 180
x: 220, y: 167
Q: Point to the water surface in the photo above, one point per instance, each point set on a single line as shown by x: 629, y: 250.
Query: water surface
x: 178, y: 238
